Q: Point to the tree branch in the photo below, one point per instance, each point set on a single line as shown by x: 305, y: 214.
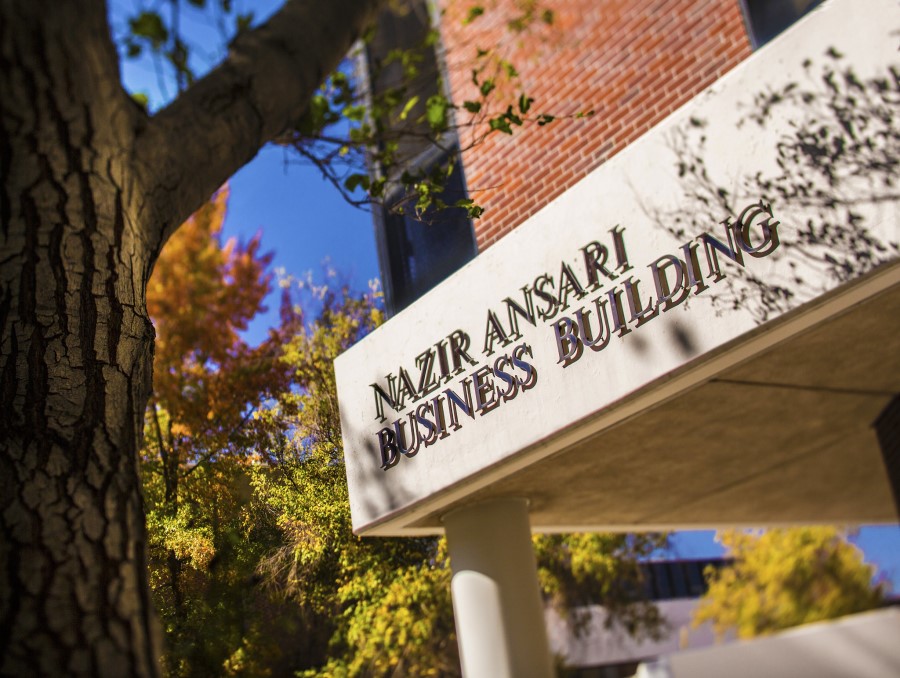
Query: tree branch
x: 216, y: 126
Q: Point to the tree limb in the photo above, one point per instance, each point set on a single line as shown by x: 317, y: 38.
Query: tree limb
x: 218, y: 124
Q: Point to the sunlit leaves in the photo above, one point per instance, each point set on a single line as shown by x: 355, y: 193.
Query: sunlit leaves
x: 386, y: 601
x: 141, y: 99
x: 202, y: 294
x: 509, y: 69
x: 785, y: 577
x: 473, y: 210
x: 506, y: 121
x: 577, y: 570
x: 530, y: 12
x: 436, y: 109
x: 351, y: 127
x: 200, y: 440
x: 408, y: 106
x: 408, y: 116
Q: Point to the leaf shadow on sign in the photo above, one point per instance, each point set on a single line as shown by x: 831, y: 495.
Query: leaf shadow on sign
x: 684, y: 341
x: 837, y: 155
x: 379, y: 493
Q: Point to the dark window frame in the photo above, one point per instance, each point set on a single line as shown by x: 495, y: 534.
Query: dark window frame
x: 395, y: 271
x: 399, y: 282
x: 764, y: 20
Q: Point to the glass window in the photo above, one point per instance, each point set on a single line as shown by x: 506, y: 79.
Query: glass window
x: 767, y: 18
x: 679, y: 580
x: 661, y: 581
x: 404, y: 27
x: 414, y: 255
x: 696, y: 581
x: 417, y: 255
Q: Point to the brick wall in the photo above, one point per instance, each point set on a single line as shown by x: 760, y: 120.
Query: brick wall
x: 632, y: 62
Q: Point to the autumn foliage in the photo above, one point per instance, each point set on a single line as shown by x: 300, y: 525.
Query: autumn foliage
x: 201, y: 438
x: 786, y: 577
x: 253, y: 564
x: 202, y: 294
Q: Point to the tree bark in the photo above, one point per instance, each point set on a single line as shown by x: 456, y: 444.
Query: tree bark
x: 90, y: 188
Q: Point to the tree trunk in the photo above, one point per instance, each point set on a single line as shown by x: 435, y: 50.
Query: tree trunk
x: 90, y: 188
x: 75, y: 357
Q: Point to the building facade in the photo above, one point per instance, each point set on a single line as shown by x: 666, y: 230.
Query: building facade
x: 598, y: 650
x: 607, y: 70
x: 678, y: 310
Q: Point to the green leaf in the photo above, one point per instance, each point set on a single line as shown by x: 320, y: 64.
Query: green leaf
x: 547, y: 16
x: 355, y: 181
x: 408, y: 107
x: 141, y: 99
x: 501, y: 124
x: 525, y: 103
x: 472, y: 106
x: 356, y: 113
x: 360, y: 135
x: 377, y: 188
x: 474, y: 211
x: 511, y: 117
x: 314, y: 118
x: 149, y: 25
x: 487, y: 87
x: 545, y: 119
x: 474, y: 13
x: 511, y: 71
x: 436, y: 112
x: 432, y: 37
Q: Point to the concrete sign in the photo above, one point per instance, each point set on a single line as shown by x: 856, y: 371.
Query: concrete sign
x: 764, y: 207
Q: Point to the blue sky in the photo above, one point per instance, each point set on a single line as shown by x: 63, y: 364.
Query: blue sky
x: 308, y: 225
x: 304, y: 221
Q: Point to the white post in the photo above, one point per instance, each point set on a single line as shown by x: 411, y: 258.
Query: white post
x: 496, y: 596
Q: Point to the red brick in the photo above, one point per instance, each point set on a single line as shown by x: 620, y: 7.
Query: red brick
x: 632, y: 61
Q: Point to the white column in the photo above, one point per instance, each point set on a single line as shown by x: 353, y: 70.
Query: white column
x: 496, y: 596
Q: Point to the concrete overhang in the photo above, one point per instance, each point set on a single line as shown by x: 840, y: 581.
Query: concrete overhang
x: 785, y: 435
x: 745, y: 394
